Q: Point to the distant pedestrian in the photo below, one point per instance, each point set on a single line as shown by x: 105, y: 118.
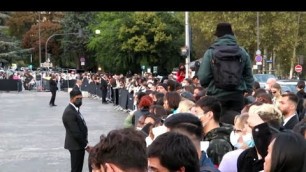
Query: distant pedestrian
x: 180, y: 75
x: 53, y: 89
x: 77, y: 85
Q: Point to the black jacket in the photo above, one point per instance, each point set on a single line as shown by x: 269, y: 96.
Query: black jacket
x: 292, y: 122
x: 53, y: 85
x: 75, y: 87
x: 300, y: 106
x: 76, y: 129
x: 248, y: 160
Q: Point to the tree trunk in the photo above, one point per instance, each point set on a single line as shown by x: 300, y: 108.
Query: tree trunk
x: 292, y: 62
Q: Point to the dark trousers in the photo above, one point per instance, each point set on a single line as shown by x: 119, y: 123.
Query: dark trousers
x: 77, y: 160
x: 52, y: 97
x: 231, y: 106
x: 104, y: 93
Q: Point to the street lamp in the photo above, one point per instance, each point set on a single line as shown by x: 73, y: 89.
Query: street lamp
x: 80, y: 34
x: 187, y: 43
x: 97, y: 31
x: 39, y: 42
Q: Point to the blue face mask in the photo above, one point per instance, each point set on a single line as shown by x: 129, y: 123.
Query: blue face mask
x: 234, y: 140
x: 248, y: 140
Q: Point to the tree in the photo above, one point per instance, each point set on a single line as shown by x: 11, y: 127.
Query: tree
x: 74, y: 46
x: 31, y: 39
x: 10, y: 49
x: 129, y: 40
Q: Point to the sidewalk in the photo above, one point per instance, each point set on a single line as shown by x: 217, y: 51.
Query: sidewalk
x: 32, y: 134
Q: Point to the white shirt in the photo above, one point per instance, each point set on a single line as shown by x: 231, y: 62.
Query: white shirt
x: 77, y: 109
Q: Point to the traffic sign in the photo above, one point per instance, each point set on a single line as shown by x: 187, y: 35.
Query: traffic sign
x: 258, y: 58
x: 298, y: 68
x: 258, y: 52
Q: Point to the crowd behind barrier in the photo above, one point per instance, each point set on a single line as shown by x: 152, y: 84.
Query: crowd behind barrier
x: 64, y: 84
x: 118, y: 96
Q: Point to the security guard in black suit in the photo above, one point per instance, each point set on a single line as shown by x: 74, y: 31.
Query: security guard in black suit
x: 76, y: 140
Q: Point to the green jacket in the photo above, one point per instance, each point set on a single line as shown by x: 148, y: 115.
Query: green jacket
x: 219, y: 142
x: 205, y: 73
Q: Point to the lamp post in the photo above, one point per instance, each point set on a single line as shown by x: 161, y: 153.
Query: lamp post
x: 80, y: 33
x: 39, y: 44
x: 187, y: 43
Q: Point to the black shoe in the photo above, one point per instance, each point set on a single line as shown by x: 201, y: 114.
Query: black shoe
x: 54, y: 105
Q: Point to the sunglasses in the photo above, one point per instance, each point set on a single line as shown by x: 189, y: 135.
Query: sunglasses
x: 273, y: 92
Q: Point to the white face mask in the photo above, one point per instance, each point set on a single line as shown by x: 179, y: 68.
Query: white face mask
x: 159, y: 130
x: 183, y: 84
x: 234, y: 140
x: 148, y: 141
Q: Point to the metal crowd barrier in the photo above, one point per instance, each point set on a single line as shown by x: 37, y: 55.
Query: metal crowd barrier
x: 10, y: 85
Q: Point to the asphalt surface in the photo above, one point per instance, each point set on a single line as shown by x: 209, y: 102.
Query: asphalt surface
x: 32, y: 133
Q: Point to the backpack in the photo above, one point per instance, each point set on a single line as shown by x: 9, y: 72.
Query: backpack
x: 227, y: 66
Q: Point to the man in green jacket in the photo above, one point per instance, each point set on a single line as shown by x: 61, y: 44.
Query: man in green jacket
x: 230, y: 99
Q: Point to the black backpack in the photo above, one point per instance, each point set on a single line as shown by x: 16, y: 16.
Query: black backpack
x: 227, y: 66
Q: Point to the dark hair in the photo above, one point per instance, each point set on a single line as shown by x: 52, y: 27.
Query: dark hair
x: 200, y: 94
x: 74, y: 93
x: 175, y: 150
x: 126, y: 148
x: 158, y: 111
x: 288, y: 153
x: 173, y: 85
x: 139, y: 95
x: 256, y: 85
x: 147, y: 128
x: 92, y: 156
x: 300, y: 127
x: 159, y: 98
x: 263, y: 97
x: 195, y: 77
x: 210, y: 103
x: 187, y: 122
x: 301, y: 84
x: 259, y: 91
x: 291, y: 97
x: 173, y: 99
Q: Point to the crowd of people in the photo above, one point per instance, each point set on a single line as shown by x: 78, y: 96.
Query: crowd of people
x: 223, y: 139
x: 196, y: 124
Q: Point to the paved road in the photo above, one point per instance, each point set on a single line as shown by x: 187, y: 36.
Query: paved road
x: 32, y: 133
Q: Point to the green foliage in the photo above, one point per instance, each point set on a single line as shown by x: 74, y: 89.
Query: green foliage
x: 280, y: 33
x: 129, y: 40
x: 73, y: 46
